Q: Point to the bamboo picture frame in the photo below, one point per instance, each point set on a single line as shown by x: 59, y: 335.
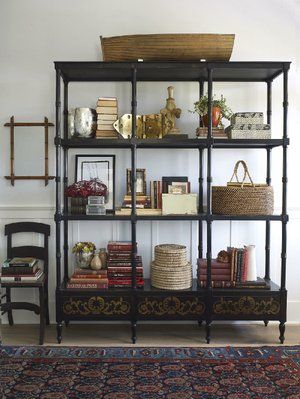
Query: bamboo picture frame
x: 12, y: 124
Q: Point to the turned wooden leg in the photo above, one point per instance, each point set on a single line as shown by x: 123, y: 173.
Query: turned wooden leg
x: 208, y: 330
x: 42, y: 315
x: 59, y: 332
x: 266, y: 322
x: 47, y: 306
x: 281, y: 330
x: 133, y: 331
x: 9, y: 312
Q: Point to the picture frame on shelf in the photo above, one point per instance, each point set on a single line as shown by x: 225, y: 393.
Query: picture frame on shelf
x: 179, y: 188
x: 141, y: 186
x: 102, y: 167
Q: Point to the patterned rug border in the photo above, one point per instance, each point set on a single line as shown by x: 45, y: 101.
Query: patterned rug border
x: 48, y: 352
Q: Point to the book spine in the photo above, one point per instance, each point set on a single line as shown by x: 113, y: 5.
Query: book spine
x: 119, y: 247
x: 216, y: 277
x: 18, y: 270
x: 122, y: 264
x: 88, y: 280
x: 78, y: 271
x: 123, y: 269
x: 216, y: 271
x: 155, y: 194
x: 89, y: 277
x: 86, y: 285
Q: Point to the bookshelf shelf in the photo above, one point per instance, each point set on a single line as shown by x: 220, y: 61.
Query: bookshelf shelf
x: 198, y: 304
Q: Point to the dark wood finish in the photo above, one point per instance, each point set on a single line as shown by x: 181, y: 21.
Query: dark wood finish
x: 12, y: 124
x: 198, y: 304
x: 72, y: 71
x: 40, y: 253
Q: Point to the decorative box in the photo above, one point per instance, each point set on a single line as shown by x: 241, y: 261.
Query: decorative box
x: 241, y: 118
x: 249, y: 131
x: 95, y: 210
x: 179, y: 204
x: 95, y: 200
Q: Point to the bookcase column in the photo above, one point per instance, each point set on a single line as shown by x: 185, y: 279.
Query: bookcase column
x: 208, y: 210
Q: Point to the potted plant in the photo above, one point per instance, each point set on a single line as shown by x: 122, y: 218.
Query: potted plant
x: 84, y: 252
x: 219, y: 110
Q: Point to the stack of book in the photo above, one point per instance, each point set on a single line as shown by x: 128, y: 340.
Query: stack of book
x: 107, y: 114
x: 142, y: 201
x: 217, y: 133
x: 119, y: 265
x: 232, y: 274
x: 88, y: 279
x: 20, y: 270
x: 155, y: 194
x: 143, y: 206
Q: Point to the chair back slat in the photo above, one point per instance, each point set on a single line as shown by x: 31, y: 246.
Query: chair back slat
x: 27, y: 227
x: 29, y: 251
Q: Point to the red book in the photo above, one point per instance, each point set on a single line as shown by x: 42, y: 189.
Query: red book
x: 123, y: 269
x: 122, y: 264
x: 215, y: 271
x: 214, y: 264
x: 119, y: 246
x: 125, y: 281
x: 89, y: 276
x: 89, y: 280
x: 89, y: 272
x: 220, y: 277
x: 121, y: 255
x: 77, y: 286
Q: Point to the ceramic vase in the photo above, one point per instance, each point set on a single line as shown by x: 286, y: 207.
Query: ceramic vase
x: 216, y: 117
x: 96, y: 263
x: 83, y: 260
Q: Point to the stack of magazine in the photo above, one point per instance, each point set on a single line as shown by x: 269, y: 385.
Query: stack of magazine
x: 20, y: 270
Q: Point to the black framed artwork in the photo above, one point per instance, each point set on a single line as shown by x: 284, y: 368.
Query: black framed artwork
x: 100, y: 167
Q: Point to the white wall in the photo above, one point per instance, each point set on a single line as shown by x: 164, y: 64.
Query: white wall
x: 35, y: 33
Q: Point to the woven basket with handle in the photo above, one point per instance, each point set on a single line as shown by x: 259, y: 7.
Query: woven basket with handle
x: 242, y: 198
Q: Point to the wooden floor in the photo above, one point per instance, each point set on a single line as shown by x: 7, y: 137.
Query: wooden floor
x: 153, y: 335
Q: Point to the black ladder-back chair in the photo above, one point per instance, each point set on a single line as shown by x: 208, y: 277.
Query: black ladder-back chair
x: 41, y: 253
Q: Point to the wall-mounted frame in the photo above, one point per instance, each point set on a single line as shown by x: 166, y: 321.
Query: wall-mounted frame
x: 12, y: 124
x: 100, y: 167
x: 141, y: 186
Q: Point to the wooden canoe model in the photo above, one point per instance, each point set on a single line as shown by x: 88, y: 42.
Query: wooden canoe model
x: 168, y: 47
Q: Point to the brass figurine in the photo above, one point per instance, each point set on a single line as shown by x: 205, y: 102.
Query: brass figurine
x: 171, y: 113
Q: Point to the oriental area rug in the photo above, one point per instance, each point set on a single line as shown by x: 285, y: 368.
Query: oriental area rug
x: 150, y: 373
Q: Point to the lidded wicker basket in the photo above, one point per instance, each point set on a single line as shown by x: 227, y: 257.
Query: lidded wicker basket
x: 170, y: 269
x: 241, y: 198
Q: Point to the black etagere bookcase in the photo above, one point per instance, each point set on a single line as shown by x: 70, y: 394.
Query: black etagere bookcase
x: 199, y: 304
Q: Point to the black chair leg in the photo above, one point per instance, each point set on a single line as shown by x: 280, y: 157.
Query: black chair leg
x: 9, y: 312
x: 47, y: 306
x: 42, y: 315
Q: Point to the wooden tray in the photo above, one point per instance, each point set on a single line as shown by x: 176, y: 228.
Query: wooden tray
x: 168, y: 47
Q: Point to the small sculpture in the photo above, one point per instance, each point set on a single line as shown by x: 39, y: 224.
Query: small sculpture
x: 223, y: 257
x: 171, y: 112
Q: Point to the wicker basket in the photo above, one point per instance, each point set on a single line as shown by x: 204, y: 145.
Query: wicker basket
x: 241, y: 198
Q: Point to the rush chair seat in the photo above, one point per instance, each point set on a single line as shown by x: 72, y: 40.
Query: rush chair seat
x: 41, y: 253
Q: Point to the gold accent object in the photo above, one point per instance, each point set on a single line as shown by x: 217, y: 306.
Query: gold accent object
x: 246, y: 305
x: 170, y: 306
x: 96, y: 305
x: 171, y: 113
x: 123, y: 126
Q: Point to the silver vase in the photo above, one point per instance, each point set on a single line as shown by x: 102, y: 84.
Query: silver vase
x: 83, y: 260
x: 82, y: 122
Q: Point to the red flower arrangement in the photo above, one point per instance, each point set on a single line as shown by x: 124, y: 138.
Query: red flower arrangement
x: 87, y: 188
